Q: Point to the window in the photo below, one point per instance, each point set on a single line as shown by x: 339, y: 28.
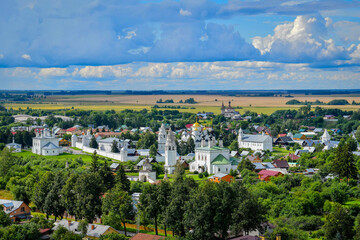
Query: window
x: 22, y: 209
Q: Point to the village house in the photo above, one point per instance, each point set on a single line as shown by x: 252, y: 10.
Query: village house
x: 15, y: 209
x: 94, y: 231
x: 254, y: 142
x: 266, y: 174
x: 14, y: 147
x: 220, y: 177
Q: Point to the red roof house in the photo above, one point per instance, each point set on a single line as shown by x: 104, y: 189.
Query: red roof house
x: 266, y: 174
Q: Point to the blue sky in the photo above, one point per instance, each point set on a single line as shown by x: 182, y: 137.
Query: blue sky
x: 185, y: 44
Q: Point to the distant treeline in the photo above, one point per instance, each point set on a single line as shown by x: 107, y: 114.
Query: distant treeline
x: 189, y: 101
x: 318, y: 102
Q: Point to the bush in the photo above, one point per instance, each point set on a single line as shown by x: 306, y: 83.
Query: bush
x: 196, y: 172
x: 200, y: 175
x: 206, y: 174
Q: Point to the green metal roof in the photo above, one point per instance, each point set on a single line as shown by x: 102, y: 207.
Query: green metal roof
x: 220, y: 160
x: 234, y: 161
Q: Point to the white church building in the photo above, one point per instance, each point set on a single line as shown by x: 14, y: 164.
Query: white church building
x: 213, y: 159
x: 254, y: 142
x: 46, y: 144
x: 170, y: 153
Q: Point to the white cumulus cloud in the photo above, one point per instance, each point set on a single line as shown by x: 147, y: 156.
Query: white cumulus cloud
x: 184, y: 12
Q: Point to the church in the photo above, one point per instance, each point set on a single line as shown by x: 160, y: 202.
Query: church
x: 213, y: 159
x: 229, y: 111
x: 46, y: 144
x: 198, y: 133
x: 254, y: 142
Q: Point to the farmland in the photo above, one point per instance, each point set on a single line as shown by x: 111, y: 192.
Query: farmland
x: 205, y: 103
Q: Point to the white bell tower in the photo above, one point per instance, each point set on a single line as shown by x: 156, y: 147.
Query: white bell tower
x: 162, y: 138
x: 170, y: 153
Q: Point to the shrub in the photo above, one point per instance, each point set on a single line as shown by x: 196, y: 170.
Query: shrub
x: 200, y: 175
x: 206, y: 174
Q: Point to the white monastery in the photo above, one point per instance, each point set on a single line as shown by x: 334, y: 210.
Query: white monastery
x: 46, y: 144
x: 254, y: 142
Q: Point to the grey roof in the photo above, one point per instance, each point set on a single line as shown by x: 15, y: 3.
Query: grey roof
x: 13, y: 145
x: 259, y: 166
x: 50, y: 145
x: 15, y: 205
x: 233, y: 153
x: 143, y: 152
x: 255, y: 138
x: 114, y: 165
x: 73, y: 227
x: 140, y: 163
x: 219, y: 175
x: 108, y: 140
x: 268, y: 165
x: 244, y: 153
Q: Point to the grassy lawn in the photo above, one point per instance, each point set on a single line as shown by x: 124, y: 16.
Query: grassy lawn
x: 75, y: 148
x: 5, y: 194
x: 132, y: 173
x: 63, y: 156
x: 281, y: 151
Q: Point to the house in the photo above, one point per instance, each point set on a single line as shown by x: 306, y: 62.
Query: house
x: 266, y: 174
x: 220, y: 177
x: 302, y: 136
x: 16, y: 209
x: 143, y: 236
x: 293, y: 157
x: 300, y: 151
x: 327, y: 117
x: 14, y: 147
x: 281, y: 164
x: 234, y: 154
x: 254, y: 159
x: 114, y: 167
x: 318, y: 130
x: 94, y: 231
x: 283, y: 141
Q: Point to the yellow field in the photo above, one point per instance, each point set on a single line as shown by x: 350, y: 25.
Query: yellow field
x: 202, y: 100
x: 205, y: 103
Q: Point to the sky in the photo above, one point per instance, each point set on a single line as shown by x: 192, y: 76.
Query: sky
x: 179, y: 44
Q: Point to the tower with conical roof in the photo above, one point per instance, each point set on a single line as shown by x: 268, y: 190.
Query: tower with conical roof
x: 325, y: 138
x: 170, y: 153
x: 124, y: 152
x: 162, y: 138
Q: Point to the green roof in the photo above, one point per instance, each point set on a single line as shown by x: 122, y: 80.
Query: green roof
x: 234, y: 161
x: 298, y: 135
x: 213, y: 148
x: 220, y: 160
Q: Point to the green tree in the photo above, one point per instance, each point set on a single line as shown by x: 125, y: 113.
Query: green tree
x: 114, y: 147
x: 83, y: 227
x: 61, y: 233
x: 106, y: 175
x: 163, y: 198
x: 190, y: 145
x: 53, y: 203
x: 200, y: 212
x: 234, y: 146
x: 93, y: 143
x: 153, y: 151
x: 42, y: 189
x: 357, y: 134
x: 88, y: 190
x: 6, y: 161
x: 4, y: 219
x: 339, y: 224
x: 248, y: 213
x: 245, y: 164
x: 117, y: 205
x: 94, y: 166
x: 149, y: 206
x: 69, y: 195
x: 121, y: 179
x: 343, y: 164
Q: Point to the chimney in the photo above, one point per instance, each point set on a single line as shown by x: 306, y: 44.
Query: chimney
x: 278, y: 237
x: 69, y: 222
x: 92, y: 226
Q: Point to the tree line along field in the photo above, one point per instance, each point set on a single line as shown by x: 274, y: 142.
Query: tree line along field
x: 205, y: 103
